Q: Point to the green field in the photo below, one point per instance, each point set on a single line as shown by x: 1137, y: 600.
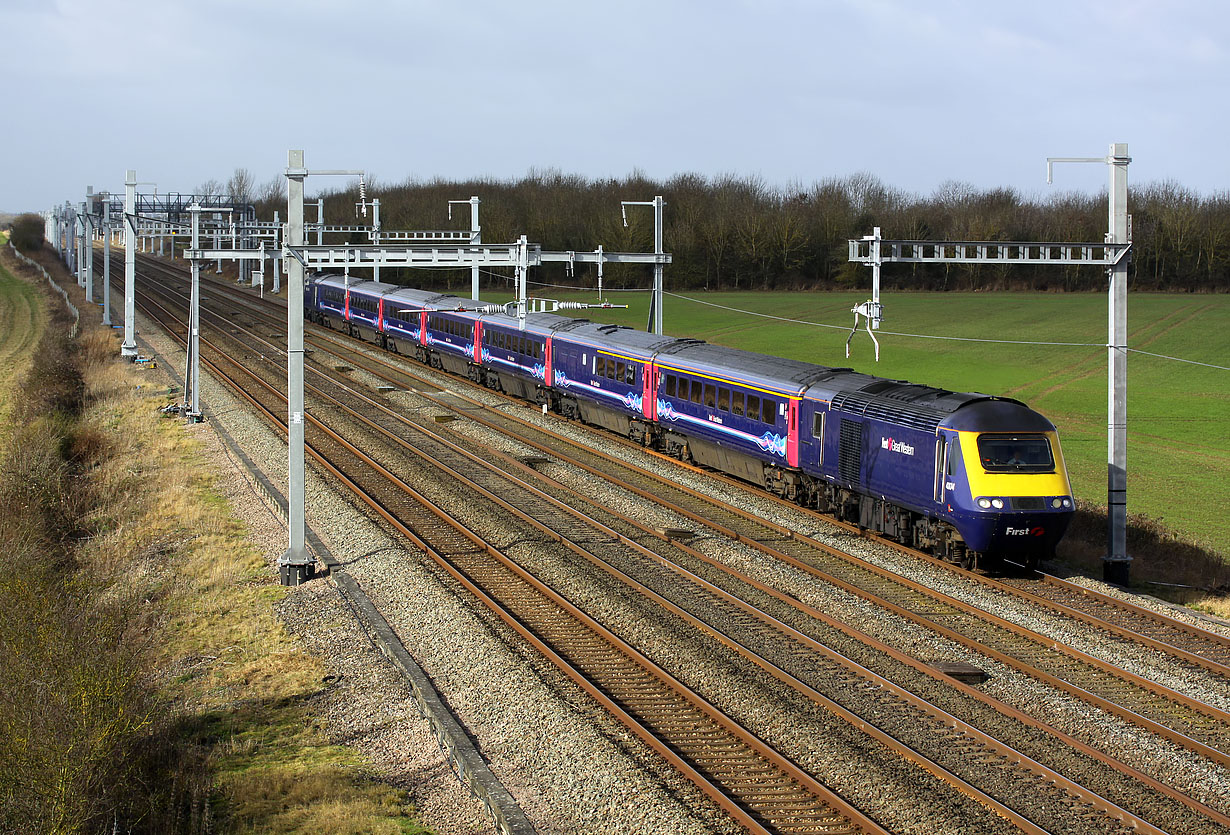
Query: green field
x: 1178, y: 414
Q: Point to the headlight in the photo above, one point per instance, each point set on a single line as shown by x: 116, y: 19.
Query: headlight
x: 998, y: 504
x: 1067, y: 502
x: 1057, y: 503
x: 984, y: 503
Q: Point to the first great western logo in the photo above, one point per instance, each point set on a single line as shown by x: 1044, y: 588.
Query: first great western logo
x: 896, y: 446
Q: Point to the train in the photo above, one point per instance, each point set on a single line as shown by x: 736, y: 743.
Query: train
x: 973, y: 479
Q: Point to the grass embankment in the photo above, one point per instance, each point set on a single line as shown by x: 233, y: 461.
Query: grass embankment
x: 1178, y: 414
x: 146, y: 683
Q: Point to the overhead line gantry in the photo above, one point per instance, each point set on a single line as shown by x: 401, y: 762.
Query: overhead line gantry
x: 1111, y: 254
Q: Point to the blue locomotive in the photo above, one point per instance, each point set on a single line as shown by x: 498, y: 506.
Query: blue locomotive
x: 971, y: 478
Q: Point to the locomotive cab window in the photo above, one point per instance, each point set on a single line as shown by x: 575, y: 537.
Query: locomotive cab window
x: 1015, y: 454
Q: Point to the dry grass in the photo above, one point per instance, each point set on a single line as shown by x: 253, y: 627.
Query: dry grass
x: 230, y: 669
x: 1163, y: 564
x: 235, y: 748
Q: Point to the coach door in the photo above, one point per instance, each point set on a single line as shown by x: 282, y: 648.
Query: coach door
x: 945, y: 450
x: 648, y: 407
x: 812, y: 438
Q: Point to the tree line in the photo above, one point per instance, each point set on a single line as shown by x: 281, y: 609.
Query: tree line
x: 732, y: 232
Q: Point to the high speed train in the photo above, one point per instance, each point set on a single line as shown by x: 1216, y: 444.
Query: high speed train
x: 971, y: 478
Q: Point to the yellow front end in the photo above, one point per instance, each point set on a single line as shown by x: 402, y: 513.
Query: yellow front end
x: 982, y: 483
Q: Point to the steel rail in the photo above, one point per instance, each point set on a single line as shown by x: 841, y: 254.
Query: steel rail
x: 990, y: 743
x: 1217, y: 645
x: 527, y: 473
x: 667, y: 750
x: 1110, y: 706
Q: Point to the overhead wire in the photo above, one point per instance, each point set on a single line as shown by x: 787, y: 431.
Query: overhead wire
x: 889, y: 333
x: 511, y: 279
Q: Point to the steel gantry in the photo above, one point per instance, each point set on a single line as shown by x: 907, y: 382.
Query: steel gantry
x: 449, y: 249
x: 1111, y: 254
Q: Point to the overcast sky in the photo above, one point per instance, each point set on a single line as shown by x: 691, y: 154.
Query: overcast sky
x: 916, y: 93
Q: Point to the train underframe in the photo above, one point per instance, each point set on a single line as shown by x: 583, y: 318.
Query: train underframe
x: 920, y: 531
x: 869, y: 513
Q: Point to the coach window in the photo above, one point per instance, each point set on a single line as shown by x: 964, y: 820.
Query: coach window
x: 668, y: 385
x: 710, y: 394
x: 737, y: 406
x: 724, y: 399
x: 620, y: 371
x: 753, y: 407
x: 696, y: 391
x: 768, y: 411
x: 630, y: 374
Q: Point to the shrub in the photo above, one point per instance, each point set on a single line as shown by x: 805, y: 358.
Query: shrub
x: 27, y: 233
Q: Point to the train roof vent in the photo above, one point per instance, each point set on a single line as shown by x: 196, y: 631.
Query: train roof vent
x: 676, y: 347
x: 913, y: 415
x: 612, y: 328
x: 830, y: 373
x: 880, y: 385
x: 912, y: 393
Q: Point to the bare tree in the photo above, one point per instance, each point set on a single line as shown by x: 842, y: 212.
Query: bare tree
x: 209, y: 188
x: 241, y: 186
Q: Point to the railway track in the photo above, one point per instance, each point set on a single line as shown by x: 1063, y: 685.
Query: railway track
x: 775, y: 542
x: 756, y: 785
x: 1118, y: 618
